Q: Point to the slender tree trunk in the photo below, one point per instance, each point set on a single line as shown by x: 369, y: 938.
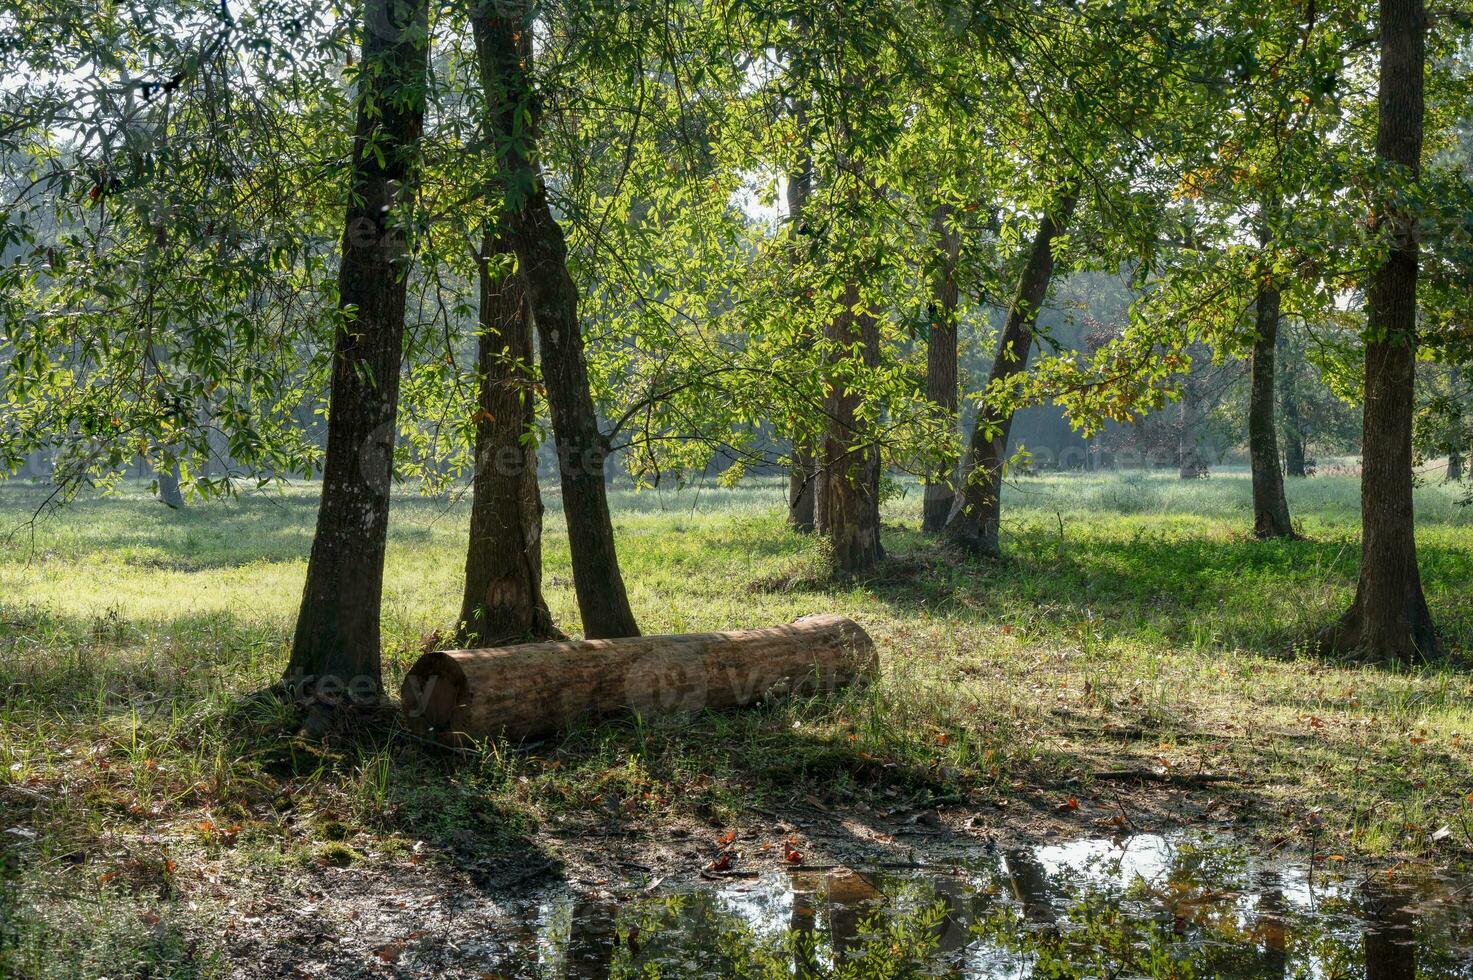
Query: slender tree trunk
x: 503, y: 567
x: 336, y: 648
x: 168, y: 474
x: 1455, y: 457
x: 1294, y: 457
x: 503, y: 34
x: 850, y: 485
x: 1389, y: 618
x: 1191, y: 461
x: 802, y: 488
x: 820, y: 494
x: 941, y: 371
x: 169, y: 479
x: 977, y: 514
x: 1270, y: 506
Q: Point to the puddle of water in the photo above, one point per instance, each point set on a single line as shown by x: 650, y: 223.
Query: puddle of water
x: 1144, y: 906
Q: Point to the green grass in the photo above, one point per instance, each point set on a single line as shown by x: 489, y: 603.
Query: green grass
x: 1135, y: 623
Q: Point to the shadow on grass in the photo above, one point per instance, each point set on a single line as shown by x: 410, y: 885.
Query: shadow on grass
x: 146, y: 534
x: 1265, y: 597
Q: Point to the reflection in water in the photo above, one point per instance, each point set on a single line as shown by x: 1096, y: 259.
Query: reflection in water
x: 589, y: 950
x: 1270, y: 932
x: 1029, y: 884
x: 1391, y: 942
x: 1147, y: 906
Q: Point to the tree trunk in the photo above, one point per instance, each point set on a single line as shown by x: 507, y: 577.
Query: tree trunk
x: 1191, y: 462
x: 820, y: 496
x: 941, y: 371
x: 1389, y: 618
x: 503, y: 34
x: 1455, y: 457
x: 503, y: 566
x: 168, y: 478
x: 538, y: 688
x: 801, y: 486
x: 1294, y: 457
x: 977, y: 514
x: 850, y: 484
x: 1270, y: 506
x: 335, y: 651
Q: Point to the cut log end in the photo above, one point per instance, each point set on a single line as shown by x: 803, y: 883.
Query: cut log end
x: 533, y: 689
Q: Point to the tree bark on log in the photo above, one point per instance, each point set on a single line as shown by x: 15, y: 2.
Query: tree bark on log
x: 941, y: 370
x: 977, y: 514
x: 503, y: 567
x: 335, y: 650
x: 1270, y: 506
x: 503, y: 37
x: 455, y: 696
x: 1389, y: 619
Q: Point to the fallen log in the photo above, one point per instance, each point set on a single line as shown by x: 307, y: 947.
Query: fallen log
x: 533, y: 689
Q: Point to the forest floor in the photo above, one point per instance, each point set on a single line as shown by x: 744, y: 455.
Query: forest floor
x: 1138, y: 663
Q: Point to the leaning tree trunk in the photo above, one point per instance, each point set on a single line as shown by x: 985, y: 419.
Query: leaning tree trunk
x: 503, y: 35
x: 977, y: 514
x: 941, y: 371
x: 503, y: 566
x: 1454, y: 467
x: 1389, y: 618
x: 802, y: 489
x: 1270, y: 506
x: 336, y: 647
x: 850, y: 483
